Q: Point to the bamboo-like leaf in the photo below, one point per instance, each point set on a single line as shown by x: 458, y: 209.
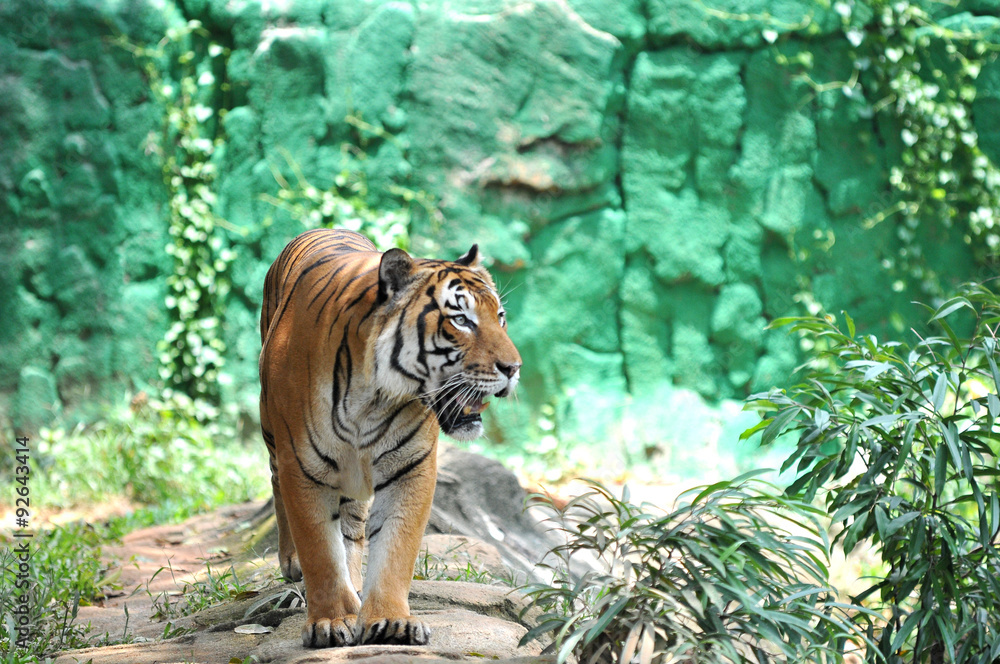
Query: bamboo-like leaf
x: 646, y: 649
x: 950, y: 434
x: 777, y: 425
x: 896, y: 524
x: 880, y: 420
x: 631, y: 642
x: 909, y: 624
x: 606, y: 618
x: 951, y: 306
x: 940, y: 391
x: 940, y: 469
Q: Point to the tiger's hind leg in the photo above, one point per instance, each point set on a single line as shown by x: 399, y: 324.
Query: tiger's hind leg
x: 396, y: 525
x: 288, y: 558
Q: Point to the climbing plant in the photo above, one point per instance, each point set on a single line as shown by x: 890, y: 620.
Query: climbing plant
x: 347, y: 202
x: 917, y: 77
x: 186, y: 72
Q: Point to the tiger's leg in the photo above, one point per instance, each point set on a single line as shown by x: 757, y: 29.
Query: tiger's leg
x: 395, y: 529
x: 332, y: 603
x: 288, y: 559
x: 353, y: 514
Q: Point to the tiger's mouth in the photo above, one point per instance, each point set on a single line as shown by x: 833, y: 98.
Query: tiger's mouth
x: 459, y: 411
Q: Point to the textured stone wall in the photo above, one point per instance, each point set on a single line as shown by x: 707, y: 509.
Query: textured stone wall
x: 652, y: 179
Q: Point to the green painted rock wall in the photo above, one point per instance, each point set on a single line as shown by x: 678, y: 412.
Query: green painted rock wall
x: 652, y: 179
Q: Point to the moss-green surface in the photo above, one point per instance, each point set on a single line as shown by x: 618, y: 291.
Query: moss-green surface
x: 652, y: 180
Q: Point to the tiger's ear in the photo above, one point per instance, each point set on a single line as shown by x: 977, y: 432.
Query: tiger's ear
x: 393, y: 273
x: 471, y: 257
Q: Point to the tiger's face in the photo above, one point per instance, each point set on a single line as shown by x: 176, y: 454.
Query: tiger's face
x: 446, y: 340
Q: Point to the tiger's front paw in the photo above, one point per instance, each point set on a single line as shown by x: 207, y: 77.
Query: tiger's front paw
x: 407, y: 631
x: 329, y: 633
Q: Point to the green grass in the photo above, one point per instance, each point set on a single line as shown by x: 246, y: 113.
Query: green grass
x: 65, y: 572
x: 170, y: 459
x: 166, y: 456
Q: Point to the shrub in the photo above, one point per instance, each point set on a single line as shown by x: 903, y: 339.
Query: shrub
x: 900, y: 441
x: 64, y: 573
x: 735, y: 572
x: 175, y: 454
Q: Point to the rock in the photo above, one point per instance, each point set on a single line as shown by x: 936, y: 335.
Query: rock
x: 476, y: 496
x: 456, y: 631
x: 469, y: 621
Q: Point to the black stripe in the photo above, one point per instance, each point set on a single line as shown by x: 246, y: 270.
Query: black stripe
x: 343, y: 371
x: 405, y: 439
x: 268, y: 438
x: 403, y: 471
x: 321, y: 290
x: 375, y: 434
x: 373, y: 533
x: 343, y: 288
x: 397, y: 349
x: 302, y: 467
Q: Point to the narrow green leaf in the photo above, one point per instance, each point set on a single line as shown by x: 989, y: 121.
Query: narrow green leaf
x: 879, y: 420
x: 606, y: 618
x: 940, y: 391
x: 848, y: 510
x: 876, y: 370
x: 754, y: 429
x: 905, y: 447
x: 940, y: 469
x: 950, y: 434
x: 782, y: 322
x: 994, y: 514
x: 909, y: 624
x: 993, y: 403
x: 850, y: 324
x: 777, y: 425
x: 996, y: 372
x: 951, y: 306
x: 893, y: 526
x: 881, y: 522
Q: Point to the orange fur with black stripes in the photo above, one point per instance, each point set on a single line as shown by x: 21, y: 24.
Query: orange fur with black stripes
x: 365, y: 357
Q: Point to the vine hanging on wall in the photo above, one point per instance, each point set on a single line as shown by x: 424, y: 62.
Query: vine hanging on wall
x: 923, y: 72
x: 184, y: 71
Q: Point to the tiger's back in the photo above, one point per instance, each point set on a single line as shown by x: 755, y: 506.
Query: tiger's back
x: 364, y: 356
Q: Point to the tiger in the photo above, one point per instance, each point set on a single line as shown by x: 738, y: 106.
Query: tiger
x: 365, y: 358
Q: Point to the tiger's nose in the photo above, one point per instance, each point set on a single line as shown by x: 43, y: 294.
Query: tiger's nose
x: 508, y: 369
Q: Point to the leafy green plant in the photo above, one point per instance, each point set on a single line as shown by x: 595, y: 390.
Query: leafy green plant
x: 288, y: 597
x: 65, y: 572
x: 916, y: 72
x: 456, y: 565
x: 211, y: 590
x: 155, y: 453
x: 736, y: 572
x: 186, y: 72
x: 901, y: 442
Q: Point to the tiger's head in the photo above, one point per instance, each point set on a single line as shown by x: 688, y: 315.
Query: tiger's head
x: 444, y: 338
